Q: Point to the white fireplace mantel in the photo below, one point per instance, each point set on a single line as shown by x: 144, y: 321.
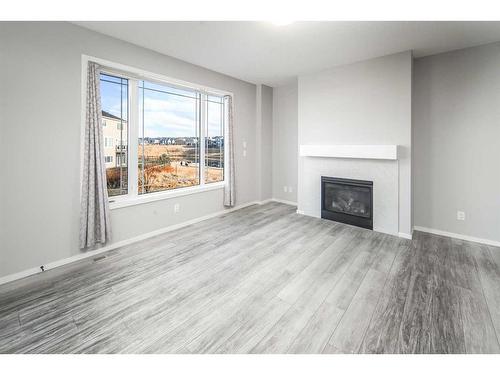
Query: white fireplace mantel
x: 386, y: 152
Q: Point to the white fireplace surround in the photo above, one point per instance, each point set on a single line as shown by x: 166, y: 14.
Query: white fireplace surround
x: 383, y: 152
x: 377, y: 163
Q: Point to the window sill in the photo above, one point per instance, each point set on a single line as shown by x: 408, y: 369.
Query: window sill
x: 126, y: 201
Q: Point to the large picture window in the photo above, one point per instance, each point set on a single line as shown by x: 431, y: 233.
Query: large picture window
x: 160, y: 137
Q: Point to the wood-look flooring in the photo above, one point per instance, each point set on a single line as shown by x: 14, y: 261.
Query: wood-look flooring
x: 263, y: 280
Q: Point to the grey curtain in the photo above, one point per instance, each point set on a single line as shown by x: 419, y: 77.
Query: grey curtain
x: 229, y: 196
x: 94, y: 217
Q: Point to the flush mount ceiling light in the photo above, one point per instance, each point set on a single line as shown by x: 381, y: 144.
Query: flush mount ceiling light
x: 282, y: 22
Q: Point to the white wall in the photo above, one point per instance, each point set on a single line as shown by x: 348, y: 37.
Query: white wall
x: 40, y: 101
x: 285, y: 148
x: 364, y: 103
x: 457, y: 141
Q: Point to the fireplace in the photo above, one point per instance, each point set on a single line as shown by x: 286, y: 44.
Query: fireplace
x: 347, y: 201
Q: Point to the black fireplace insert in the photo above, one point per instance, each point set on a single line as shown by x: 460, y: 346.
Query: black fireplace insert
x: 347, y: 201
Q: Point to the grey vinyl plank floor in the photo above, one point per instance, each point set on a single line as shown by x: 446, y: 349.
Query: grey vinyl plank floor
x: 263, y: 280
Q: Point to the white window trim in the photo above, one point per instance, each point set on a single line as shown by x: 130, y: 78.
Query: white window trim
x: 134, y: 74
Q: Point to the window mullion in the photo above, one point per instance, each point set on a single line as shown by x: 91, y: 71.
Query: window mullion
x: 225, y: 134
x: 133, y: 141
x: 203, y: 124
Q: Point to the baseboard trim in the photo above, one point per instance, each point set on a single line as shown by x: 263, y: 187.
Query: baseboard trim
x: 265, y: 201
x: 458, y: 236
x: 93, y: 253
x: 290, y: 203
x: 405, y: 235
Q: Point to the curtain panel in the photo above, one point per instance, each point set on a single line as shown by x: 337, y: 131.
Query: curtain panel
x: 95, y: 225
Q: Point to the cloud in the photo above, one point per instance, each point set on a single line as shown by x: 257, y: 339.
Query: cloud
x: 166, y: 115
x: 214, y: 119
x: 186, y: 106
x: 169, y: 118
x: 177, y: 118
x: 168, y: 124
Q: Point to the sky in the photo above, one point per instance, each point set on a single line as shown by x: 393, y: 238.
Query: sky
x: 165, y: 114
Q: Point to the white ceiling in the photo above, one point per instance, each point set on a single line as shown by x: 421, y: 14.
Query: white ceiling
x: 261, y: 52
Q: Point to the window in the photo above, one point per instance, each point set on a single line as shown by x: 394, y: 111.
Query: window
x: 115, y: 103
x: 169, y: 138
x: 121, y: 160
x: 214, y: 140
x: 108, y: 142
x: 178, y: 133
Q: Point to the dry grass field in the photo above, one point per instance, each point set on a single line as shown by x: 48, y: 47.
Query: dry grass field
x: 182, y: 170
x: 174, y: 151
x: 166, y: 167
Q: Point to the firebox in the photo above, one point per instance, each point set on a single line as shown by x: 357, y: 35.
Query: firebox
x: 347, y: 201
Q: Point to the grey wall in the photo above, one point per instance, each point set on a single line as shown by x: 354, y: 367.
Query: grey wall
x: 285, y: 148
x: 3, y: 145
x: 457, y: 141
x: 40, y: 101
x: 364, y: 103
x: 264, y: 151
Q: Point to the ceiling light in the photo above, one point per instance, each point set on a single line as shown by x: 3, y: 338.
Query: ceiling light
x: 282, y: 22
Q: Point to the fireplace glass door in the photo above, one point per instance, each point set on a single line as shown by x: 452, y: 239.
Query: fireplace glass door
x: 347, y: 201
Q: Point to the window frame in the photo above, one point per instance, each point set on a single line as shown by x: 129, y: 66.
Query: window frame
x: 134, y: 75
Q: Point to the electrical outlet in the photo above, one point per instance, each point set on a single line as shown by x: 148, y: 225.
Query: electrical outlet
x: 460, y: 215
x: 285, y: 189
x: 290, y: 189
x: 177, y: 207
x: 244, y: 153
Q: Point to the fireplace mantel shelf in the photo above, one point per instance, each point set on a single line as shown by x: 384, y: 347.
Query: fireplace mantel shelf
x: 384, y: 152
